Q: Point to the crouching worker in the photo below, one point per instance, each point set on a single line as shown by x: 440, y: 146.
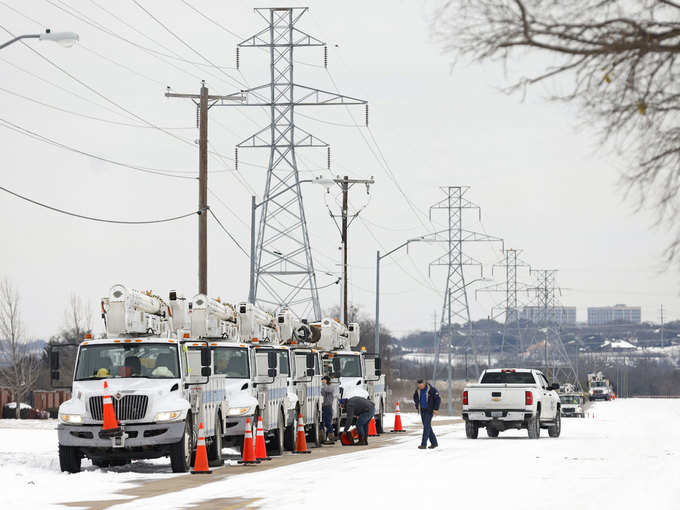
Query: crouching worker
x: 363, y: 410
x: 427, y: 401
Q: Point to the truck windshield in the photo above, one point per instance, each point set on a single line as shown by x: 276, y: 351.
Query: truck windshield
x: 569, y: 399
x: 350, y: 366
x: 232, y: 363
x: 153, y: 361
x: 508, y: 378
x: 597, y: 384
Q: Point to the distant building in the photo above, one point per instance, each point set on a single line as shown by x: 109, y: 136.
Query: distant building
x: 558, y: 315
x: 599, y: 315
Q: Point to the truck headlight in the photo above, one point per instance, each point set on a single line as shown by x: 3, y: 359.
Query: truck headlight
x: 70, y: 418
x: 168, y: 416
x: 239, y: 411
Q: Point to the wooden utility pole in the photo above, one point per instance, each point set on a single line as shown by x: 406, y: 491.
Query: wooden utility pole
x: 203, y: 101
x: 345, y: 184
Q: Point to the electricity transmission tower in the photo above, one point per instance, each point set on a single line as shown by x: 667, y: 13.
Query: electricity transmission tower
x: 456, y: 308
x: 548, y: 317
x: 284, y: 270
x: 511, y: 264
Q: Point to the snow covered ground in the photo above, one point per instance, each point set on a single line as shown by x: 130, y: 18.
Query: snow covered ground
x: 627, y: 457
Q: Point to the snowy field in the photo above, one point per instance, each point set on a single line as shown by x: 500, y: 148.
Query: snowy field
x: 627, y: 457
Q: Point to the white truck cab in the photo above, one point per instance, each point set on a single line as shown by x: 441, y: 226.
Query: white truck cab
x: 154, y: 382
x: 572, y: 404
x: 599, y: 387
x: 512, y: 398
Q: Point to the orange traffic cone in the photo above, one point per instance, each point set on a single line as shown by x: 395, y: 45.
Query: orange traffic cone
x: 201, y: 461
x: 372, y: 432
x: 301, y: 443
x: 110, y: 426
x: 398, y: 427
x: 260, y: 447
x: 347, y: 438
x: 248, y: 447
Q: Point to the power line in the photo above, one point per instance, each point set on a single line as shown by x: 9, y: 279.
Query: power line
x: 229, y: 233
x: 91, y: 218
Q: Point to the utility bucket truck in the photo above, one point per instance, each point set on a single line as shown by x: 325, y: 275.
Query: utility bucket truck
x: 599, y: 387
x: 356, y: 373
x: 155, y: 381
x: 305, y: 372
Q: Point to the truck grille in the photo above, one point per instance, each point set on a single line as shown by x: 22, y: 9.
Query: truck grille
x: 129, y: 407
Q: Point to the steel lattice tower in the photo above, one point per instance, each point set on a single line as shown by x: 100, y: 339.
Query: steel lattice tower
x: 284, y: 269
x: 456, y: 308
x: 549, y: 318
x: 510, y: 288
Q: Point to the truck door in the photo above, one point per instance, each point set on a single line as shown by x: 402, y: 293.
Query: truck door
x: 548, y: 405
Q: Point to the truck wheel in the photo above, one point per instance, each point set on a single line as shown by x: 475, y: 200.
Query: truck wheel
x: 215, y: 447
x: 69, y: 459
x: 315, y: 434
x: 279, y: 437
x: 471, y: 430
x: 101, y: 463
x: 491, y: 431
x: 290, y: 435
x: 379, y: 419
x: 534, y: 426
x: 555, y: 430
x: 180, y: 452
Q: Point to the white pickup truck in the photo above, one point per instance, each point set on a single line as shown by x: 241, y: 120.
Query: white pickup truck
x: 512, y: 398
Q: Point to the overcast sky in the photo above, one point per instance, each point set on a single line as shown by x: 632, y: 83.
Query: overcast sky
x: 542, y: 181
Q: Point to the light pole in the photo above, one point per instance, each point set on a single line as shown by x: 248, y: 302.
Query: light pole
x: 253, y: 207
x: 66, y: 39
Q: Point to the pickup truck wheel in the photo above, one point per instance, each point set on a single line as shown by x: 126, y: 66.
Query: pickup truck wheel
x: 556, y: 429
x: 101, y: 463
x: 491, y: 431
x: 215, y: 447
x: 69, y: 459
x: 534, y: 426
x: 180, y: 452
x: 471, y: 430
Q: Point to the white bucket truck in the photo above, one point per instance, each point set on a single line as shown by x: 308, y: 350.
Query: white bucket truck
x: 356, y: 373
x: 155, y: 384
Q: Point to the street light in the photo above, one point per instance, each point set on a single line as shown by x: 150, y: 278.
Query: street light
x: 254, y: 205
x: 65, y: 39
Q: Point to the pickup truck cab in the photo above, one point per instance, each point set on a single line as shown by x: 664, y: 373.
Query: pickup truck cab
x: 512, y: 398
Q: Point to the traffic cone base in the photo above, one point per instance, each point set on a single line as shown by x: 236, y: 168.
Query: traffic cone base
x: 301, y: 443
x: 248, y: 456
x: 398, y: 427
x: 260, y: 446
x: 201, y: 461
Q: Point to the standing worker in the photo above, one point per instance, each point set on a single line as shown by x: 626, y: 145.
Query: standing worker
x: 427, y: 401
x: 328, y: 395
x: 363, y: 409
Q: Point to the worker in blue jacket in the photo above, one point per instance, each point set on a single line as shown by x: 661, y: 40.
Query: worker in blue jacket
x: 427, y: 401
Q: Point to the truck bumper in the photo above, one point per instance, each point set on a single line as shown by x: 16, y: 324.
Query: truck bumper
x: 512, y: 415
x: 142, y: 435
x: 236, y: 425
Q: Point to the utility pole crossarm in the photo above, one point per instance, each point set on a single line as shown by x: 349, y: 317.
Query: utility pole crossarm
x: 301, y: 95
x: 262, y: 139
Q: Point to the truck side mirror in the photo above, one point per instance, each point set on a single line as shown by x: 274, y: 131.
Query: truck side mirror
x: 206, y: 371
x: 272, y: 360
x: 377, y: 366
x: 336, y: 365
x: 205, y: 358
x: 272, y: 372
x: 310, y: 372
x: 554, y: 386
x: 377, y: 372
x: 310, y: 361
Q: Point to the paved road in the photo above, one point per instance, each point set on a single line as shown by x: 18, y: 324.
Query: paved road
x: 147, y: 489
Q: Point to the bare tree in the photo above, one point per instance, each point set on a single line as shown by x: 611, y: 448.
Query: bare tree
x: 618, y: 60
x: 77, y: 319
x: 19, y: 367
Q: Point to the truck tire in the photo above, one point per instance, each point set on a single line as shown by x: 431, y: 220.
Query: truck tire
x: 69, y: 459
x: 279, y: 437
x: 471, y: 430
x: 181, y: 452
x: 215, y: 446
x: 534, y: 426
x: 289, y: 439
x: 379, y: 419
x: 315, y: 433
x: 491, y: 431
x: 101, y: 463
x: 555, y: 430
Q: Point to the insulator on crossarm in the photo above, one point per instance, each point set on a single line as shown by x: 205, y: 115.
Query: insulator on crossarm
x: 366, y: 114
x: 236, y: 158
x: 329, y: 157
x: 238, y: 57
x: 325, y: 56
